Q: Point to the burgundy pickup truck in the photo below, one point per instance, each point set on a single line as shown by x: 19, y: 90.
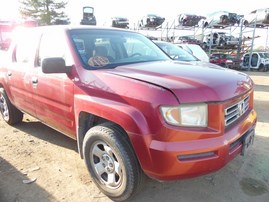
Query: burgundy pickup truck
x: 131, y: 109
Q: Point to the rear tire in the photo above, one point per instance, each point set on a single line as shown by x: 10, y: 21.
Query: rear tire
x: 9, y: 112
x: 111, y: 162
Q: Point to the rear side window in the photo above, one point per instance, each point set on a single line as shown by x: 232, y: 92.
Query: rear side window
x: 26, y: 46
x: 53, y: 44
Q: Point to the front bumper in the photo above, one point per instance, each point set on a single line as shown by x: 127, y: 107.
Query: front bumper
x: 177, y: 160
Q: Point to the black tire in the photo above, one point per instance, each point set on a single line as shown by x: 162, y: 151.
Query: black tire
x: 261, y: 68
x: 107, y: 153
x: 9, y: 112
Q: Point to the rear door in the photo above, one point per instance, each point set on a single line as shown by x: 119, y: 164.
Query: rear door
x: 53, y: 93
x: 20, y: 71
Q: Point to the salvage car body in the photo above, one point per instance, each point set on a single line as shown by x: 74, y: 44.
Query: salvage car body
x: 221, y: 40
x: 256, y: 61
x: 186, y: 39
x: 151, y: 20
x: 220, y: 19
x: 186, y: 19
x: 120, y: 22
x: 123, y: 111
x: 88, y: 17
x: 259, y: 16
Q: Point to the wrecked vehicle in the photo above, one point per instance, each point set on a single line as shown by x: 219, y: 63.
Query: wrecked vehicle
x: 260, y: 17
x: 88, y: 17
x: 151, y: 20
x: 132, y: 109
x: 120, y: 22
x: 220, y: 19
x: 220, y: 40
x: 186, y: 19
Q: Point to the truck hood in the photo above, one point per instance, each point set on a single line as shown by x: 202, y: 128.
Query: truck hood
x: 190, y: 81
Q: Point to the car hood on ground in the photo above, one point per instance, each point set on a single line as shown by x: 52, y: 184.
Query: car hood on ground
x: 190, y: 81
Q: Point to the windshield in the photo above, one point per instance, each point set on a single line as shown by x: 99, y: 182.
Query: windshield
x: 176, y: 52
x: 88, y: 10
x: 101, y: 48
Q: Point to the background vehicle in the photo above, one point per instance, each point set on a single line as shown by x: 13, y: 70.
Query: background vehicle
x: 61, y: 21
x: 220, y: 19
x: 120, y: 22
x: 175, y: 52
x: 186, y: 19
x: 260, y: 16
x: 195, y: 50
x: 151, y: 20
x: 225, y: 60
x: 88, y: 17
x: 258, y: 61
x: 186, y: 39
x: 220, y: 40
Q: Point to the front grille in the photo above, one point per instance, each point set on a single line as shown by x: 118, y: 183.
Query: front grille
x: 235, y: 111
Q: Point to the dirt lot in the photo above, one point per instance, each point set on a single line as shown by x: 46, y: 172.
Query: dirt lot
x: 32, y: 151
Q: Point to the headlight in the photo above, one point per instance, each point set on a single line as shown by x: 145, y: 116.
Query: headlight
x: 192, y: 115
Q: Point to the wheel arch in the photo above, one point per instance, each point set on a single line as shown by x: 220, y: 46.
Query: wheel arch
x: 90, y: 113
x: 245, y: 22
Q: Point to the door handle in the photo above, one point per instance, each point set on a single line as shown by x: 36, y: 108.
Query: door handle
x: 34, y: 80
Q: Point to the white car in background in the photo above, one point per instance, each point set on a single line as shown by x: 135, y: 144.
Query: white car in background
x: 260, y: 16
x: 195, y: 50
x: 255, y: 61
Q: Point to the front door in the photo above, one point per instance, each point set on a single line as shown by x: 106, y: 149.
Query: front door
x: 53, y: 93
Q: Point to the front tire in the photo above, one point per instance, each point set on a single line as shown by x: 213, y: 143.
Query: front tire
x: 111, y: 161
x: 9, y: 112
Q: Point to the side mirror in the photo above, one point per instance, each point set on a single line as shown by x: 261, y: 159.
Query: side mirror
x: 54, y: 65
